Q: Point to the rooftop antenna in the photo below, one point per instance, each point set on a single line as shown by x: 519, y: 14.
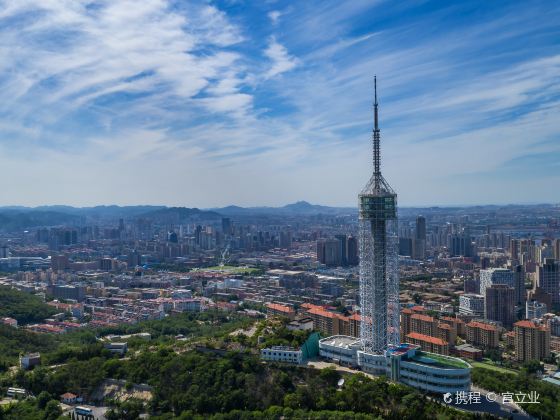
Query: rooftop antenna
x: 376, y: 136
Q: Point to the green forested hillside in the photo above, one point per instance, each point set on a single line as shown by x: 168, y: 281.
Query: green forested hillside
x: 24, y: 307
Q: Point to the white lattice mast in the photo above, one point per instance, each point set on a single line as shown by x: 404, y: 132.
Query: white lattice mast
x: 379, y: 275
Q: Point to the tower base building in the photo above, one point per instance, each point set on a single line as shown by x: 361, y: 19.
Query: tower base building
x: 404, y: 363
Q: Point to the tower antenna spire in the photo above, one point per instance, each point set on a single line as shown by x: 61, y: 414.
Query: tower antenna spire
x: 376, y: 137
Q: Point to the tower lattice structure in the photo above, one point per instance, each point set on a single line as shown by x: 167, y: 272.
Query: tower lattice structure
x: 379, y: 274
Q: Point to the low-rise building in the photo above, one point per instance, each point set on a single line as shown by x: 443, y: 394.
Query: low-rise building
x: 118, y: 348
x: 282, y: 354
x: 68, y: 398
x: 302, y: 324
x: 9, y: 321
x: 469, y: 352
x: 17, y: 393
x: 30, y: 360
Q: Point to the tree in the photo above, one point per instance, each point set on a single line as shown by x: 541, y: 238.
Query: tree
x: 533, y: 366
x: 52, y: 410
x: 42, y: 399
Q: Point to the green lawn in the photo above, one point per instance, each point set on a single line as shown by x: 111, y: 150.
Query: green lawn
x: 233, y: 269
x: 490, y: 366
x: 449, y: 362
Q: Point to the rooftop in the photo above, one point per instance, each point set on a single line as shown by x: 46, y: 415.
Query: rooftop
x: 280, y: 308
x: 482, y: 325
x: 342, y: 341
x: 437, y: 360
x: 427, y: 339
x: 529, y: 324
x: 422, y: 317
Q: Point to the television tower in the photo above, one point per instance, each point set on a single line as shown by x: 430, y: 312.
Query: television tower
x: 379, y: 271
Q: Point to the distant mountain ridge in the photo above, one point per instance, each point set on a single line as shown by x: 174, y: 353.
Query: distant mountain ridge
x: 13, y: 218
x: 299, y: 207
x: 179, y: 214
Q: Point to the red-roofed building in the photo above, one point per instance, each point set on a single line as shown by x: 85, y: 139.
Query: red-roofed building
x: 510, y: 339
x: 423, y: 324
x: 355, y: 322
x: 68, y: 398
x: 9, y: 321
x: 447, y: 333
x: 329, y: 323
x: 429, y: 344
x: 457, y: 323
x: 276, y: 309
x: 482, y: 334
x: 532, y: 341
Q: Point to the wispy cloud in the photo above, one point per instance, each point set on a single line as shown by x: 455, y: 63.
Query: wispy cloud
x: 281, y: 61
x: 204, y: 104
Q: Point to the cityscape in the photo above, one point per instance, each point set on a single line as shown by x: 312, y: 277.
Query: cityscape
x: 273, y: 304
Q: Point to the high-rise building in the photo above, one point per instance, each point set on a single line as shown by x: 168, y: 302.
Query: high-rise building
x: 471, y: 304
x: 321, y: 251
x: 514, y: 250
x: 60, y: 262
x: 342, y: 249
x: 500, y: 305
x: 379, y: 275
x: 549, y: 279
x: 471, y: 285
x: 534, y: 309
x: 421, y: 228
x: 226, y: 225
x: 172, y: 237
x: 482, y: 334
x: 519, y: 284
x: 492, y: 276
x: 405, y: 246
x: 286, y: 239
x: 419, y: 247
x: 460, y: 245
x: 134, y: 259
x: 4, y: 251
x: 352, y: 246
x: 556, y: 247
x: 328, y: 252
x: 532, y: 341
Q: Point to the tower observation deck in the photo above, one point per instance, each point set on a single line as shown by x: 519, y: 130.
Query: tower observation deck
x: 378, y: 241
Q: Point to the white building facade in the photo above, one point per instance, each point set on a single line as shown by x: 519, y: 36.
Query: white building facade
x: 404, y: 363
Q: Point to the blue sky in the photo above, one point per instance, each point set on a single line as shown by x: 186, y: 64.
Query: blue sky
x: 263, y: 103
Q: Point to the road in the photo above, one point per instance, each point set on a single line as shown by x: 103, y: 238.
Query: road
x: 97, y: 412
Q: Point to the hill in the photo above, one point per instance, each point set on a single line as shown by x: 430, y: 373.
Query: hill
x: 13, y: 220
x: 298, y: 208
x: 24, y: 307
x: 179, y: 215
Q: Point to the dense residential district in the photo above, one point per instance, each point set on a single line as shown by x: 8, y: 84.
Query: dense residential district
x: 127, y: 312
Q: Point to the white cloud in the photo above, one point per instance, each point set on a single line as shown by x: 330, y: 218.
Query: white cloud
x: 274, y: 16
x: 124, y: 46
x: 171, y: 102
x: 281, y: 60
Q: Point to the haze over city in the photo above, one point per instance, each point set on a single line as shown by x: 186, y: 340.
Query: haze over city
x: 265, y: 103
